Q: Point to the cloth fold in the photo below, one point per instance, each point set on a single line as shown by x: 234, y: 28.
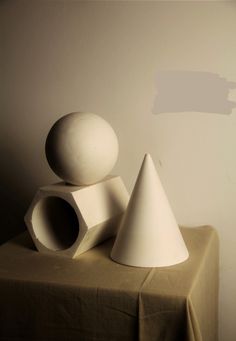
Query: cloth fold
x: 91, y: 298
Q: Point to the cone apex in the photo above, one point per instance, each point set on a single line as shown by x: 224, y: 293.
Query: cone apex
x: 147, y: 155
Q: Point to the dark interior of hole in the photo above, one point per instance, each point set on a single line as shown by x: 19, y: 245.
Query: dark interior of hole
x: 62, y: 220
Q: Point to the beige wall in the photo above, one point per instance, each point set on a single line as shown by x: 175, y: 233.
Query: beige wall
x: 64, y: 56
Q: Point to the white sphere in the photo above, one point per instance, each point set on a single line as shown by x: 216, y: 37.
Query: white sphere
x: 81, y: 148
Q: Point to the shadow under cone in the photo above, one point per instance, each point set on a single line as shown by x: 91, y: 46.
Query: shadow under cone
x: 149, y: 235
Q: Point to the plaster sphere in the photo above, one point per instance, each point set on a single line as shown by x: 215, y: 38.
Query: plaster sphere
x: 81, y: 148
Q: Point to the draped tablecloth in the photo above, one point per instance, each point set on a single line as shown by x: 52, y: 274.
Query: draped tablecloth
x: 93, y: 298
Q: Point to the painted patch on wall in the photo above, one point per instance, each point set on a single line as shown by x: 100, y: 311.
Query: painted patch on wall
x: 198, y: 91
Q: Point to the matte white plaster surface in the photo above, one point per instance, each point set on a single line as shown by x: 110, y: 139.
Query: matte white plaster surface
x: 69, y: 220
x: 104, y: 57
x: 82, y: 148
x: 149, y: 235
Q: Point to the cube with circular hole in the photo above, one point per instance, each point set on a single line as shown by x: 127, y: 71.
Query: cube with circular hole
x: 68, y: 220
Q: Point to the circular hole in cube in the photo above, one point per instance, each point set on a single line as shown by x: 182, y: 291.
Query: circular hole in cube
x: 55, y: 223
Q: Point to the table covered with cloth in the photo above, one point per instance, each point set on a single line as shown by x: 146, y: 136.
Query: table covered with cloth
x: 93, y: 298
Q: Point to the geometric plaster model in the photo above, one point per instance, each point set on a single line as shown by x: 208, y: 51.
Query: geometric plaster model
x: 81, y: 148
x: 149, y: 235
x: 68, y: 220
x: 71, y: 217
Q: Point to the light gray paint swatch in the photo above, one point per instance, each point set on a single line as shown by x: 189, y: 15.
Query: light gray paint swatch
x: 184, y: 91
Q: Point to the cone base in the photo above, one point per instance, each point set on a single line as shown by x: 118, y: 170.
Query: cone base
x: 150, y: 264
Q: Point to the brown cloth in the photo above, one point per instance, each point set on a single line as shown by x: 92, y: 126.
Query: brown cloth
x: 48, y: 298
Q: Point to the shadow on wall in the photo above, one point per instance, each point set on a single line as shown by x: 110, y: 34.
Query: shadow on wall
x: 15, y: 186
x: 184, y: 91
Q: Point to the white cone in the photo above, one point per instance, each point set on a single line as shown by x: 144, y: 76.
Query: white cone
x: 149, y: 235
